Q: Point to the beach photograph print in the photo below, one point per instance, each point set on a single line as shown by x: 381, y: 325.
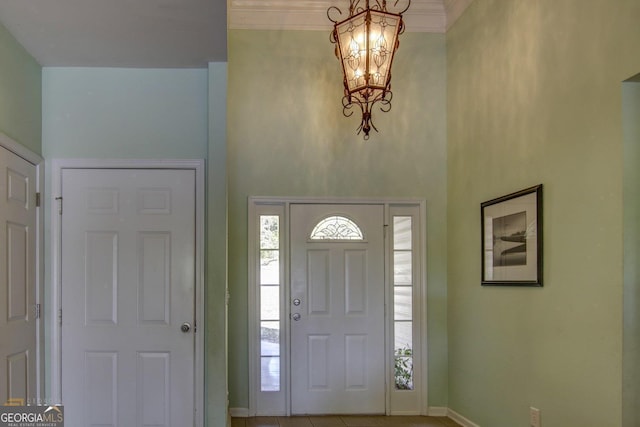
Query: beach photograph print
x: 510, y: 240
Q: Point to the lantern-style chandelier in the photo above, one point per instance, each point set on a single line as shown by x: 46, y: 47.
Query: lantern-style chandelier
x: 366, y: 42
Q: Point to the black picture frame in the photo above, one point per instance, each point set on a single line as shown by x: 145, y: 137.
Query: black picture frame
x: 511, y: 239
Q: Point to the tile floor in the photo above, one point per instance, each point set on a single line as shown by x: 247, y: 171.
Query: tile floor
x: 344, y: 421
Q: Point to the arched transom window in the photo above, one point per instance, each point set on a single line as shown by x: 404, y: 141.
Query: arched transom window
x: 336, y: 228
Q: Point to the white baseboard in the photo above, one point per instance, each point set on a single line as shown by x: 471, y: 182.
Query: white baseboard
x: 403, y: 413
x: 438, y: 411
x: 239, y: 412
x: 460, y: 419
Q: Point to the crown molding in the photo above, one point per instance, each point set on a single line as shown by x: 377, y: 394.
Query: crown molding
x: 432, y: 16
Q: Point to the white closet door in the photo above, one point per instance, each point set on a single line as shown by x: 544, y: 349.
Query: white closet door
x: 128, y: 292
x: 18, y: 376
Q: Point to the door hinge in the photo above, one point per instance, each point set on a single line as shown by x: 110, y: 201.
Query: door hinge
x: 37, y: 200
x: 59, y: 199
x: 60, y: 316
x: 36, y: 311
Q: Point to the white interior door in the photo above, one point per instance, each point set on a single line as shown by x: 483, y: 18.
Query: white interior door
x: 337, y: 326
x: 18, y: 377
x: 128, y: 286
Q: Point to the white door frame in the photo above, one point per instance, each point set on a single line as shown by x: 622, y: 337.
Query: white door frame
x: 36, y: 160
x: 282, y: 204
x: 58, y: 165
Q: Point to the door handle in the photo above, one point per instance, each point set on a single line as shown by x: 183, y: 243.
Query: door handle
x: 296, y: 316
x: 186, y: 327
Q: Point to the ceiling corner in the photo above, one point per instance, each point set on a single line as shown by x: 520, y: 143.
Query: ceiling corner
x: 454, y: 9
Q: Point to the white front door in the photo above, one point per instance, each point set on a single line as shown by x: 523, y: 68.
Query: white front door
x: 337, y: 311
x: 128, y: 288
x: 18, y: 376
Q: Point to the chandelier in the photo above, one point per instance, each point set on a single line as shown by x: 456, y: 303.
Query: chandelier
x: 365, y: 42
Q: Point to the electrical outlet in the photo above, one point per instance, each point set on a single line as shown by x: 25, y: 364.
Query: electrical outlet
x: 534, y: 417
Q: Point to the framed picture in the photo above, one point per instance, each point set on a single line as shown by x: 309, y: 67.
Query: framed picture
x: 512, y: 239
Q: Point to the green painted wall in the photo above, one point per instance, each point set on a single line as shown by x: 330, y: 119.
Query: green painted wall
x: 534, y: 96
x: 20, y: 93
x: 216, y: 377
x: 287, y: 137
x: 631, y: 337
x: 125, y: 113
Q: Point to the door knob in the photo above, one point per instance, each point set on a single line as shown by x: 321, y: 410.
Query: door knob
x: 296, y: 316
x: 186, y: 327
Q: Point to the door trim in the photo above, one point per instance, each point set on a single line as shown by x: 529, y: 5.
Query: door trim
x: 36, y: 160
x: 58, y: 166
x: 282, y: 405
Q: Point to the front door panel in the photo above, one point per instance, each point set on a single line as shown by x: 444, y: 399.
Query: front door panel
x: 337, y: 326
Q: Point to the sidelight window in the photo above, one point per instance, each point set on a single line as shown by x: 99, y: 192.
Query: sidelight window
x: 403, y: 302
x: 270, y: 282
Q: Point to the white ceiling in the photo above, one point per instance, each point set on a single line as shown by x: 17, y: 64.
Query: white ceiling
x: 173, y: 33
x: 119, y: 33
